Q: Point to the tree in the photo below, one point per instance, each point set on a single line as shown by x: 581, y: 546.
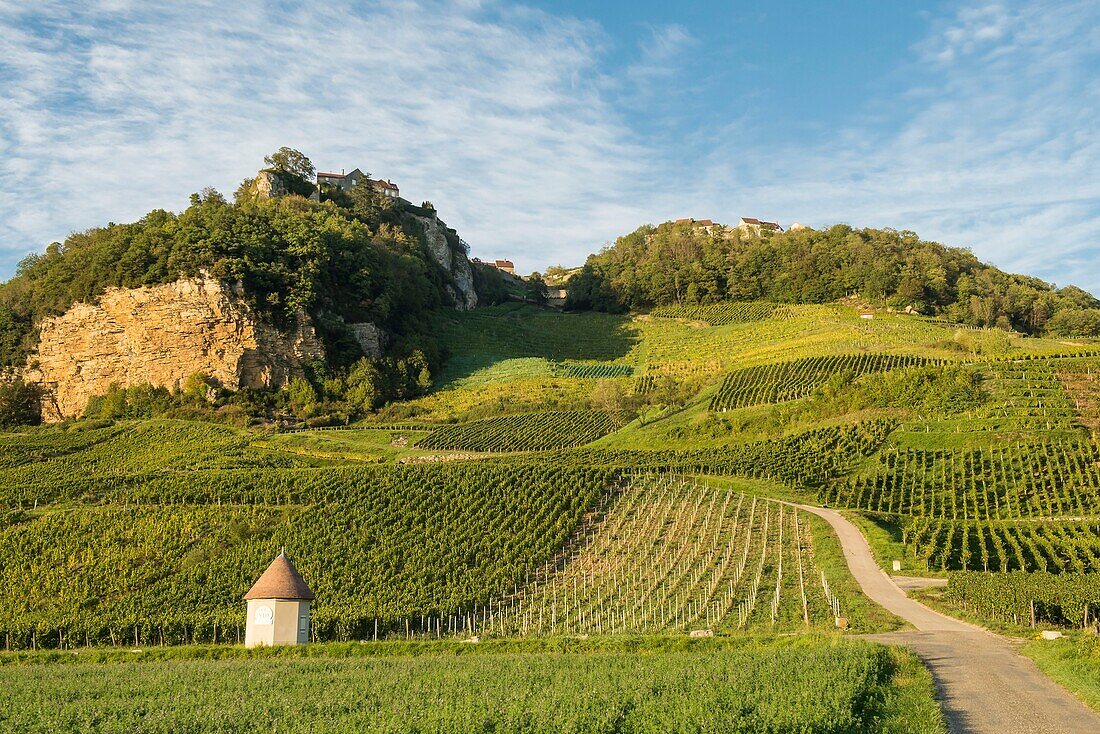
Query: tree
x: 292, y: 162
x: 20, y: 404
x: 364, y: 387
x: 294, y: 168
x: 534, y: 289
x: 302, y: 398
x: 609, y: 395
x: 14, y: 327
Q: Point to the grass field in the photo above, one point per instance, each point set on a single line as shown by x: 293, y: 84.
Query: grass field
x: 1074, y: 662
x: 812, y: 684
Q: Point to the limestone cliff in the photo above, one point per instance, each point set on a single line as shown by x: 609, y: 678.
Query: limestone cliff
x: 268, y: 185
x: 455, y: 263
x: 162, y: 335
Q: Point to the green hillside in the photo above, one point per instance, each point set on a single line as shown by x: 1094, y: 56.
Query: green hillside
x: 556, y: 431
x: 586, y: 475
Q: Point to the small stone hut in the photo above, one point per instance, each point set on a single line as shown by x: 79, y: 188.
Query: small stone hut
x: 278, y: 606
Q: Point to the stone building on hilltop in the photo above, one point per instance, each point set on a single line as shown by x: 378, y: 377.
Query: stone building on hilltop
x: 348, y: 181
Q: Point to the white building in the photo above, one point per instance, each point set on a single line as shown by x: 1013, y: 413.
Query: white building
x: 759, y: 226
x: 278, y: 607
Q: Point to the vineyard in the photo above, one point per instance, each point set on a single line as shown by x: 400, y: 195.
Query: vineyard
x: 947, y: 545
x: 149, y: 552
x: 1029, y: 598
x: 167, y: 557
x: 139, y: 532
x: 524, y: 432
x: 721, y: 314
x: 1081, y: 381
x: 51, y: 457
x: 1039, y: 480
x: 672, y: 554
x: 1015, y: 488
x: 804, y: 460
x: 775, y: 383
x: 1027, y: 396
x: 592, y: 371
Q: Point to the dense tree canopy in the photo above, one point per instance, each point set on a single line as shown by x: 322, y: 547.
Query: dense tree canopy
x: 1075, y: 322
x: 679, y: 263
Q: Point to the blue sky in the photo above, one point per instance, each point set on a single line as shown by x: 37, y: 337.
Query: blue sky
x: 543, y: 130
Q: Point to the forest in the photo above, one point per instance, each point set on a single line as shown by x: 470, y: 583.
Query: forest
x: 679, y: 264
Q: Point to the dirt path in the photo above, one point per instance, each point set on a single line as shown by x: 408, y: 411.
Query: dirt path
x: 984, y: 685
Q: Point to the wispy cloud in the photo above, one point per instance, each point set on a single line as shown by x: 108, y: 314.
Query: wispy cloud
x: 512, y: 122
x: 494, y: 113
x: 991, y: 145
x: 969, y: 31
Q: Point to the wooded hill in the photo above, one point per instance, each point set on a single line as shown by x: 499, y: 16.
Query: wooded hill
x: 678, y: 263
x: 350, y: 257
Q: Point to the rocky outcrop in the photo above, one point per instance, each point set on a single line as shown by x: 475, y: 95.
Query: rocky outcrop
x: 162, y: 335
x: 269, y: 185
x: 372, y: 340
x: 455, y: 263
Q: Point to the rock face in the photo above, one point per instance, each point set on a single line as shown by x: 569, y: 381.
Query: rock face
x: 456, y: 264
x: 371, y: 339
x: 162, y: 335
x: 269, y: 185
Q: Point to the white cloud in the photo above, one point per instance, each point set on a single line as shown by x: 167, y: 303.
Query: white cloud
x: 494, y: 113
x: 970, y: 30
x: 506, y: 119
x: 997, y: 152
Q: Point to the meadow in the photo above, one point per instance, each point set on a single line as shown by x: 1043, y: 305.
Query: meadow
x: 827, y: 686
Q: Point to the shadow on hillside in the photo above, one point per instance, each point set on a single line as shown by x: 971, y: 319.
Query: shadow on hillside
x: 480, y: 339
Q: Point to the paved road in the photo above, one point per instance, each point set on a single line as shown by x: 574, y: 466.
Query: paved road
x: 984, y: 685
x: 913, y: 583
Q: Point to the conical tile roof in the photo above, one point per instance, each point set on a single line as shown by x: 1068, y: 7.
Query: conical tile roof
x: 281, y: 580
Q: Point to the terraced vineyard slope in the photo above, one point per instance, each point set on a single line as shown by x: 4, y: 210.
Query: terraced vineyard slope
x: 675, y: 555
x: 524, y: 432
x: 777, y: 383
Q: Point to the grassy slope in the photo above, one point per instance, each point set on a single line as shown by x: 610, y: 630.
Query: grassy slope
x: 1073, y: 662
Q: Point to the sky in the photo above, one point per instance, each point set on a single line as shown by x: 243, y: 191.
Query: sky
x: 542, y: 131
